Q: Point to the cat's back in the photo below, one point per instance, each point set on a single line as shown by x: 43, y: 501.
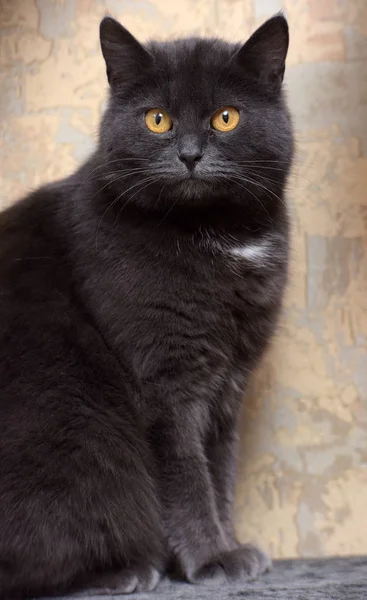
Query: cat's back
x: 53, y: 365
x: 33, y: 228
x: 35, y: 286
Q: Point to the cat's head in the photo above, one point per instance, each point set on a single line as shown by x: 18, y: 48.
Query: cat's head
x: 196, y: 119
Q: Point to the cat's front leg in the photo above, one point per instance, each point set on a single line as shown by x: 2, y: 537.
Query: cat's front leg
x: 192, y: 523
x: 193, y: 527
x: 221, y: 452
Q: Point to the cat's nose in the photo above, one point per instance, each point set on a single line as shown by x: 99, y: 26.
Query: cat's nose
x: 190, y: 157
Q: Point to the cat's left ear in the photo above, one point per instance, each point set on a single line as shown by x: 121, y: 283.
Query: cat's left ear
x: 263, y: 55
x: 125, y: 57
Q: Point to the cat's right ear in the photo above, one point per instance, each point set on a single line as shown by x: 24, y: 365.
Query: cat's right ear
x: 125, y: 57
x: 263, y: 56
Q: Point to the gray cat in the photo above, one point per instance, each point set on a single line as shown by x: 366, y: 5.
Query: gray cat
x: 136, y: 298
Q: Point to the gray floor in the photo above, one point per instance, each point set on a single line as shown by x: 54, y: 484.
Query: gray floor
x: 330, y: 579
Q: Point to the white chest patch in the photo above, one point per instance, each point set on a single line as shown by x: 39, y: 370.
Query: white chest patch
x: 256, y: 253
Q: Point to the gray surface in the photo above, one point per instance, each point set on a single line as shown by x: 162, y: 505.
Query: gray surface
x: 329, y: 579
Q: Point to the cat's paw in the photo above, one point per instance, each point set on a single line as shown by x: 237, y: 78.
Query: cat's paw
x: 128, y: 581
x: 244, y: 563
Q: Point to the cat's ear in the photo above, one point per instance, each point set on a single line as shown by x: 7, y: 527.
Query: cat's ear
x: 125, y: 57
x: 263, y: 55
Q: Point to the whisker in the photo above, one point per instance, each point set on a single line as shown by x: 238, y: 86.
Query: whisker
x: 113, y: 203
x: 160, y: 194
x: 264, y: 160
x: 168, y: 211
x: 266, y: 189
x: 109, y: 163
x: 265, y: 179
x: 154, y: 179
x: 236, y: 181
x: 255, y: 182
x: 123, y: 176
x: 298, y: 163
x: 119, y: 171
x: 254, y: 174
x: 293, y: 173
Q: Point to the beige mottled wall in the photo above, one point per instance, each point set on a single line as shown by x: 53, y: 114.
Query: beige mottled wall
x: 303, y: 477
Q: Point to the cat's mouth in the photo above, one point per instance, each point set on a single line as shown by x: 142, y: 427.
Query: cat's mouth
x: 195, y: 177
x: 192, y: 183
x: 190, y: 174
x: 193, y: 187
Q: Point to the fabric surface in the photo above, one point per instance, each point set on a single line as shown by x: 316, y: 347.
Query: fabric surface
x: 328, y: 579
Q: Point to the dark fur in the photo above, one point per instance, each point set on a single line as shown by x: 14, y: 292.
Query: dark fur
x: 128, y: 331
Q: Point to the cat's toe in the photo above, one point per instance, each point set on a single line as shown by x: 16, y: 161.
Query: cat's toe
x: 149, y: 580
x: 251, y: 561
x: 241, y: 564
x: 128, y: 581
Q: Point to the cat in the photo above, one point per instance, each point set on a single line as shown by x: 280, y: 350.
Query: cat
x: 136, y: 298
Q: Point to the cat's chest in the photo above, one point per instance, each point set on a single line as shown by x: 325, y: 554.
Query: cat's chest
x: 190, y: 321
x: 206, y: 297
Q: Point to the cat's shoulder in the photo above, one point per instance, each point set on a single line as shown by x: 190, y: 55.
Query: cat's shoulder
x: 34, y: 227
x: 37, y: 209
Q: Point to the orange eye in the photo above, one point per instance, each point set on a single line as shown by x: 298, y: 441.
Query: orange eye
x: 225, y: 119
x: 158, y: 121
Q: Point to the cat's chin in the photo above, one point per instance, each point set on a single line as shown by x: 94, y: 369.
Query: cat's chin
x: 193, y: 189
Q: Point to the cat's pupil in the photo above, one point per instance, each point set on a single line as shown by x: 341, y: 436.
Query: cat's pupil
x: 225, y: 116
x: 158, y: 118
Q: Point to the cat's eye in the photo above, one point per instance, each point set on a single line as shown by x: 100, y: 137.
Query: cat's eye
x: 225, y: 119
x: 158, y: 120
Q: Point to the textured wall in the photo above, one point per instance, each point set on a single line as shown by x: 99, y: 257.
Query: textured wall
x: 303, y: 477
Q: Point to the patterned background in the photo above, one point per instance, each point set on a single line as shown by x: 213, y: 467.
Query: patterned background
x: 303, y: 476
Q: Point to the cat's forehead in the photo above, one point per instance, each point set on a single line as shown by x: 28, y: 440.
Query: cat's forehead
x: 193, y: 54
x: 190, y: 69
